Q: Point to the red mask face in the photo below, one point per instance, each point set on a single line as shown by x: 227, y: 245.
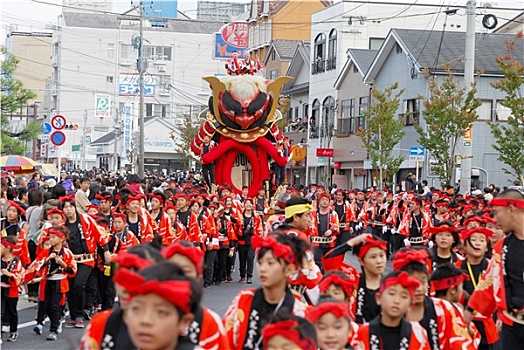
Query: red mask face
x: 244, y: 112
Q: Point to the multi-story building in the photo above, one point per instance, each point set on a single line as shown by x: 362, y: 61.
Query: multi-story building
x: 220, y: 11
x: 94, y: 74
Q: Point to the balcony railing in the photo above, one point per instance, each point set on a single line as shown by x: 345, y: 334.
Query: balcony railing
x: 331, y: 63
x: 318, y: 66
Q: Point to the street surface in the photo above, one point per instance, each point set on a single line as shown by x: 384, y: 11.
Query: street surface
x: 216, y: 298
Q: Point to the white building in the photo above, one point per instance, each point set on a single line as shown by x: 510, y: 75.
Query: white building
x: 346, y: 25
x: 94, y: 74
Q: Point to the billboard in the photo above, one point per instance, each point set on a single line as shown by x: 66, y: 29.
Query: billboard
x: 128, y: 111
x: 128, y: 85
x: 102, y: 105
x: 231, y: 37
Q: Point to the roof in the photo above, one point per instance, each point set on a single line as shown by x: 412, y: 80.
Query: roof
x: 518, y: 19
x: 285, y: 49
x: 107, y: 21
x: 107, y: 138
x: 424, y: 48
x: 300, y: 57
x: 277, y: 5
x: 362, y: 58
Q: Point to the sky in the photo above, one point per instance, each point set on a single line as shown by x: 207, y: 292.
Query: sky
x: 35, y: 15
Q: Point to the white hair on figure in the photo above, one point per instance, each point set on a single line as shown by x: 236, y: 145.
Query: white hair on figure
x: 244, y: 86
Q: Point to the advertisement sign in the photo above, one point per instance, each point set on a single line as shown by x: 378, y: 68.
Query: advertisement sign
x: 325, y: 152
x: 102, y: 105
x: 128, y: 85
x: 231, y: 37
x: 128, y: 111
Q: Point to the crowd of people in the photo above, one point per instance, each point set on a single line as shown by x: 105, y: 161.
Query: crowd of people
x: 133, y: 257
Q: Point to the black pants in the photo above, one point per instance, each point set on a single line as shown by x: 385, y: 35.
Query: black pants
x: 107, y: 291
x: 280, y: 174
x: 51, y: 305
x: 211, y: 257
x: 246, y: 256
x: 396, y: 242
x: 92, y: 289
x: 208, y: 171
x: 512, y: 337
x: 221, y: 264
x: 76, y: 296
x: 318, y: 253
x: 9, y: 312
x: 343, y: 237
x: 32, y: 289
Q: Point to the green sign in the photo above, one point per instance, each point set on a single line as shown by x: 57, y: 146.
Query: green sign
x: 102, y: 105
x: 322, y: 160
x: 467, y: 144
x: 75, y: 148
x: 88, y: 139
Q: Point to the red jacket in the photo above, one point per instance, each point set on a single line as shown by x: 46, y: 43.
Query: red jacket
x: 332, y: 225
x: 14, y: 265
x: 418, y: 339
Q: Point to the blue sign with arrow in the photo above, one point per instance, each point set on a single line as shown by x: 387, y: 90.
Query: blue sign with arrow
x: 417, y: 153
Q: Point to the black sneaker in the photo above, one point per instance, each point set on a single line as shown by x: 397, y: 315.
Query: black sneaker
x: 52, y: 336
x: 13, y: 336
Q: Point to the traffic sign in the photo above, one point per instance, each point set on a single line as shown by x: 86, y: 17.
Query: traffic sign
x: 58, y: 138
x: 43, y: 150
x: 46, y: 128
x: 299, y: 153
x: 417, y: 153
x: 43, y: 137
x: 58, y: 122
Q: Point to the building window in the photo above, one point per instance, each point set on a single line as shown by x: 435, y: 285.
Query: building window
x: 331, y: 62
x: 111, y: 50
x: 502, y: 113
x: 149, y: 109
x: 157, y: 53
x: 127, y: 52
x: 273, y: 74
x: 318, y: 64
x: 314, y: 120
x: 109, y: 79
x: 411, y: 112
x: 362, y: 108
x: 485, y: 110
x: 347, y: 112
x: 164, y: 81
x: 375, y: 43
x: 273, y: 55
x: 328, y: 117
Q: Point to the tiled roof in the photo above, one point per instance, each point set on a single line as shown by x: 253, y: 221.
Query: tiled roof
x: 364, y: 58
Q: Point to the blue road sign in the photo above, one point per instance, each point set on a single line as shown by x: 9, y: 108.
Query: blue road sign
x: 46, y: 128
x: 58, y: 138
x: 417, y: 151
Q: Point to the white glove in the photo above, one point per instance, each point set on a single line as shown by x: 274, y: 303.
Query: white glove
x: 430, y: 244
x: 407, y: 243
x: 393, y: 231
x: 384, y: 229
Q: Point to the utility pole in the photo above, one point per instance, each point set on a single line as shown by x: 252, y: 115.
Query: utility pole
x: 141, y: 69
x: 84, y: 143
x: 35, y: 119
x: 469, y: 73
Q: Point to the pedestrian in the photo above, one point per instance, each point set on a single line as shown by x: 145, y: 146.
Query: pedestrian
x: 251, y: 226
x: 12, y: 272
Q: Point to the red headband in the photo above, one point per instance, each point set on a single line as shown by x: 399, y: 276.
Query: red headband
x: 506, y: 202
x: 70, y: 198
x: 120, y: 215
x: 128, y: 260
x: 93, y: 206
x: 132, y: 198
x: 403, y: 258
x: 8, y: 244
x: 20, y: 210
x: 107, y: 197
x: 404, y: 280
x: 449, y: 282
x: 288, y: 330
x: 169, y: 206
x: 442, y: 228
x: 488, y: 219
x: 181, y: 195
x: 346, y: 284
x: 52, y: 231
x: 337, y: 308
x: 369, y: 243
x: 465, y: 234
x: 177, y: 293
x: 441, y: 204
x: 159, y: 197
x: 279, y: 250
x: 56, y: 211
x: 195, y: 255
x: 324, y: 195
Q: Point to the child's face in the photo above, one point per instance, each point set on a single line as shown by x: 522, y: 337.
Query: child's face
x: 444, y: 240
x: 477, y: 245
x: 105, y: 205
x: 133, y: 206
x: 4, y: 250
x: 92, y: 211
x: 336, y: 292
x: 420, y: 292
x: 185, y: 264
x: 332, y: 333
x: 56, y: 220
x: 394, y: 301
x: 374, y: 261
x: 278, y: 342
x: 155, y: 204
x: 459, y: 290
x: 46, y: 244
x: 497, y: 232
x: 118, y: 224
x: 55, y: 240
x: 12, y: 214
x: 154, y: 323
x: 171, y: 214
x: 270, y: 270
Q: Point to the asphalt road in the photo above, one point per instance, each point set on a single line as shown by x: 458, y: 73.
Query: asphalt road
x: 216, y: 298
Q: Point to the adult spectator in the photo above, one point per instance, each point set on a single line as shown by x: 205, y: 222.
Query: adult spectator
x: 35, y: 199
x: 134, y: 184
x: 82, y: 196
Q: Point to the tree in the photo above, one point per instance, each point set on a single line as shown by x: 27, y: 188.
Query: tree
x: 510, y: 137
x: 188, y: 131
x: 383, y: 131
x: 448, y: 112
x: 14, y: 97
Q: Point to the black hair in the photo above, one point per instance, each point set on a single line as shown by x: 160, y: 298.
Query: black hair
x: 84, y: 179
x: 58, y: 191
x: 106, y: 193
x: 10, y: 239
x: 146, y: 251
x: 456, y: 237
x: 298, y: 246
x: 356, y: 249
x: 161, y: 194
x: 304, y: 327
x: 35, y: 197
x: 61, y: 203
x: 94, y: 189
x: 168, y: 271
x: 21, y: 192
x: 64, y: 230
x: 444, y: 271
x: 10, y: 193
x: 133, y: 178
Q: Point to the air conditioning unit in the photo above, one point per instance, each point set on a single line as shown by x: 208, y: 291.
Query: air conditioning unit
x: 161, y: 68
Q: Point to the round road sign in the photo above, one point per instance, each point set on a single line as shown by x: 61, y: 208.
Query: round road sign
x: 58, y: 138
x: 46, y: 128
x: 58, y: 122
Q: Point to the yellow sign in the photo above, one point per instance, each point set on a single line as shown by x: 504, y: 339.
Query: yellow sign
x: 468, y: 135
x: 299, y: 153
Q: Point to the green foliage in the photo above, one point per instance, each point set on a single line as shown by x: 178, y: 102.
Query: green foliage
x: 510, y: 136
x: 188, y: 131
x: 384, y: 131
x: 448, y: 112
x: 14, y: 98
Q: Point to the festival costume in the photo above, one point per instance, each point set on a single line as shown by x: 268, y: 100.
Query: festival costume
x: 163, y: 226
x: 226, y: 239
x: 346, y: 216
x: 10, y: 290
x: 251, y: 226
x: 127, y: 239
x: 321, y: 243
x: 107, y: 330
x: 409, y: 222
x: 192, y: 227
x: 207, y: 330
x: 21, y: 248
